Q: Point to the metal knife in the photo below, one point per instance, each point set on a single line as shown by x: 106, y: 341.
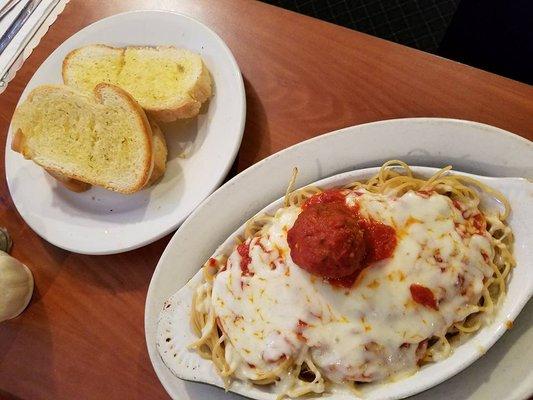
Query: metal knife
x: 17, y: 24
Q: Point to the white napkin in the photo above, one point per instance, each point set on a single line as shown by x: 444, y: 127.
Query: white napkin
x: 35, y: 27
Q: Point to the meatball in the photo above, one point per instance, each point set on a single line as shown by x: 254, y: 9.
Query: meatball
x: 327, y: 241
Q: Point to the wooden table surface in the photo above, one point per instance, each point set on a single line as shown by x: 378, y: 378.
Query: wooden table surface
x: 82, y: 336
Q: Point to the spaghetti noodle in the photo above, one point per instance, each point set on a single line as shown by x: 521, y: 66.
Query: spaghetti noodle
x: 298, y: 374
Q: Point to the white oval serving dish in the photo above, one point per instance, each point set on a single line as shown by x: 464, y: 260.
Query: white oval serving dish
x: 429, y: 141
x: 191, y: 366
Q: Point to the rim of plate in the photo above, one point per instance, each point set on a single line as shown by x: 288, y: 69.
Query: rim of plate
x: 222, y: 171
x: 157, y: 364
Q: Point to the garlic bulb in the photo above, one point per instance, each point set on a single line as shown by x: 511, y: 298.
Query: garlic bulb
x: 5, y: 240
x: 16, y: 286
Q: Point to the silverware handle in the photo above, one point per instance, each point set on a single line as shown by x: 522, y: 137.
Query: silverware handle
x: 15, y: 26
x: 27, y: 39
x: 8, y: 7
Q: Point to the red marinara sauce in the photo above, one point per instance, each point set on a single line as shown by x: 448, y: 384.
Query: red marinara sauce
x: 331, y: 240
x: 325, y: 197
x: 244, y: 251
x: 479, y: 222
x: 423, y: 295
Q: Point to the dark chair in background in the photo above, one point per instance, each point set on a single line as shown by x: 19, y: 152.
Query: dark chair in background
x: 495, y: 35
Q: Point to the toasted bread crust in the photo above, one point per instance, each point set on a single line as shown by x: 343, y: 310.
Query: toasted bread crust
x: 160, y: 154
x: 18, y: 144
x: 68, y: 59
x: 71, y: 184
x: 189, y: 108
x: 141, y: 116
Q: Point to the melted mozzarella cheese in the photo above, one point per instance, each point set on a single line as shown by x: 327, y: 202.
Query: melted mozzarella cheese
x: 369, y: 331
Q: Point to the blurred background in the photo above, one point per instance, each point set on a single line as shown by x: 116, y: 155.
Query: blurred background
x: 494, y: 35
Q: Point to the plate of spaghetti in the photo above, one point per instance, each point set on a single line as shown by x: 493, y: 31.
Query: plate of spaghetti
x: 376, y: 283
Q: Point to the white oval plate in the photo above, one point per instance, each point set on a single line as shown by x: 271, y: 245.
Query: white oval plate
x: 102, y: 222
x: 190, y: 366
x: 469, y: 146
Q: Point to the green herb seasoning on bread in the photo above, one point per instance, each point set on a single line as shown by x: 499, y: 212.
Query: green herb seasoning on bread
x: 169, y: 83
x: 101, y: 138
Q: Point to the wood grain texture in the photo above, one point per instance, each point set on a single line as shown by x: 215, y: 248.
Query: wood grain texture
x: 82, y: 336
